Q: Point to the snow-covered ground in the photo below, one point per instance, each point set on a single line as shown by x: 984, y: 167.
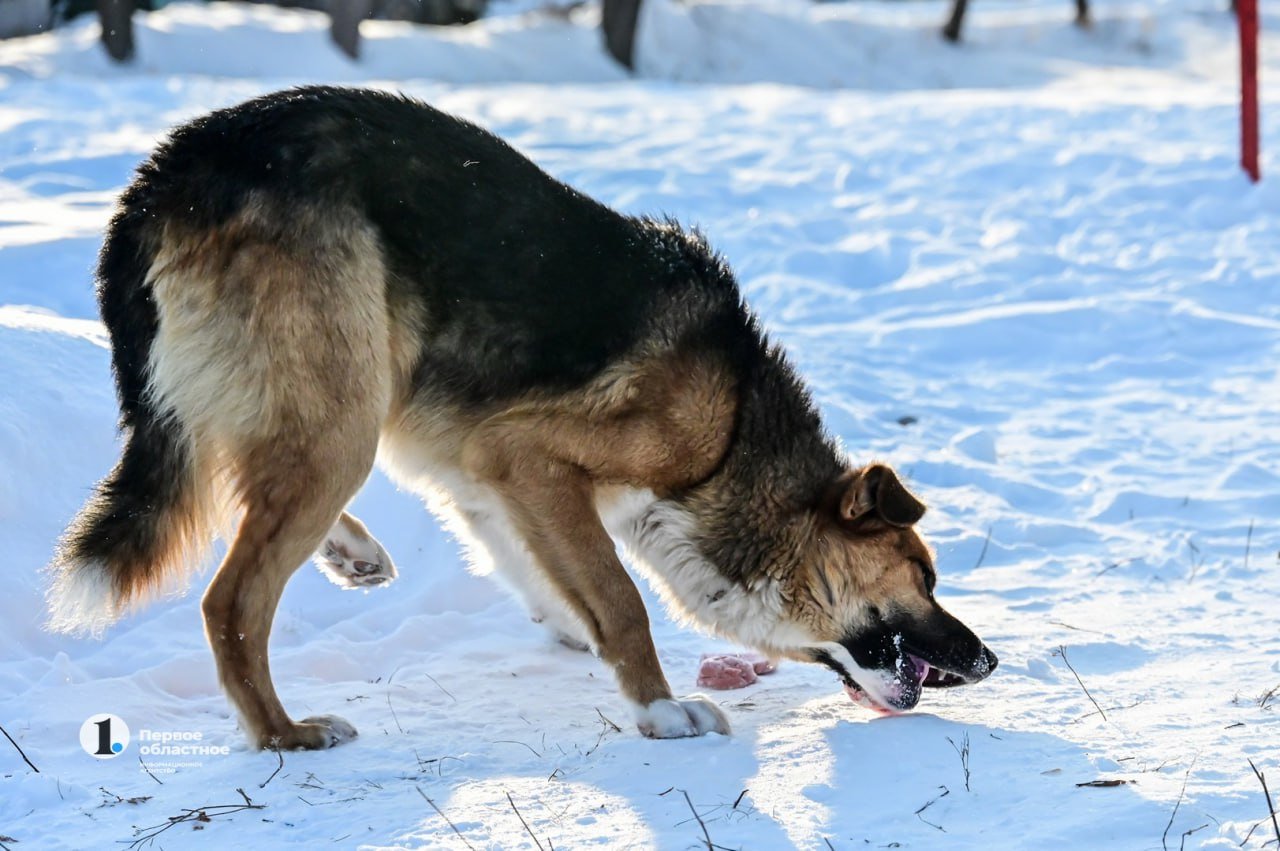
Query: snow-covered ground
x: 1036, y: 250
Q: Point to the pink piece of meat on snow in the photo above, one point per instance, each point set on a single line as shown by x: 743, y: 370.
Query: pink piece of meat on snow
x: 732, y: 670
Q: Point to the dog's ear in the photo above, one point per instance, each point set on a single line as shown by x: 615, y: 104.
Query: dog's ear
x: 876, y: 492
x: 895, y: 504
x: 858, y: 494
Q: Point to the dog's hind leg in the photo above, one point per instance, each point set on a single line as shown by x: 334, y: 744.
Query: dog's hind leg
x: 291, y: 493
x: 350, y: 557
x: 274, y: 348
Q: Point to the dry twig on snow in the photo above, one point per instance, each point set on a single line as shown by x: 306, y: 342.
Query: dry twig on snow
x: 527, y: 829
x: 1248, y: 540
x: 394, y: 717
x: 1062, y: 651
x: 1183, y: 844
x: 1104, y: 783
x: 280, y: 757
x: 1164, y: 838
x: 447, y: 820
x: 982, y: 555
x: 148, y: 770
x: 930, y: 803
x: 197, y: 814
x: 1271, y: 808
x: 962, y: 750
x: 702, y: 824
x: 20, y: 751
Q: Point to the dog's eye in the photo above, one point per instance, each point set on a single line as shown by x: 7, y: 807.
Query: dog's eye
x: 930, y: 575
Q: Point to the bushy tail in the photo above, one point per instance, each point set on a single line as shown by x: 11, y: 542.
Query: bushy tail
x: 149, y: 519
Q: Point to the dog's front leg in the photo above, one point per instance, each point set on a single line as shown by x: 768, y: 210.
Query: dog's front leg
x: 552, y: 506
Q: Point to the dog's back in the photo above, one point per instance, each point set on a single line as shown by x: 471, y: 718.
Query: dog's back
x: 518, y: 280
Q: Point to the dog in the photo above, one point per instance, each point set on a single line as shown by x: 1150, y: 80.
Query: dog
x: 320, y: 277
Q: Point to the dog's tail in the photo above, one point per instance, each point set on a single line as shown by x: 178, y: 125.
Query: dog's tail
x: 150, y: 518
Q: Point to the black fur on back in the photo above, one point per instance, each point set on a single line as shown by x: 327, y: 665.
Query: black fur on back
x: 526, y: 282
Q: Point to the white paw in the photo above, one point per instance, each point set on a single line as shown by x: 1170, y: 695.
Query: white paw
x: 695, y: 715
x: 333, y: 730
x: 352, y: 558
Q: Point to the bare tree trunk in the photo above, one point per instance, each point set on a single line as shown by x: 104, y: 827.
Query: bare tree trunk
x: 951, y: 31
x: 116, y: 17
x: 619, y: 24
x: 345, y: 17
x: 1082, y: 14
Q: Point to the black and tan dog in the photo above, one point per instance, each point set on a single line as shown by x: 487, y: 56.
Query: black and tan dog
x: 319, y: 276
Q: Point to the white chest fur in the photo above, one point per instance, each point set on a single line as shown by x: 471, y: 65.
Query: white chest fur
x: 657, y: 535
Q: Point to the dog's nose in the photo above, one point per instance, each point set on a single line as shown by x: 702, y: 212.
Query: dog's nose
x: 988, y: 663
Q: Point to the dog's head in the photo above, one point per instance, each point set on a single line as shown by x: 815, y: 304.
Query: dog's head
x: 862, y: 603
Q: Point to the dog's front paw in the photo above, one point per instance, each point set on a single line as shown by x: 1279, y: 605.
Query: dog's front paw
x: 695, y: 715
x: 352, y: 558
x: 316, y: 733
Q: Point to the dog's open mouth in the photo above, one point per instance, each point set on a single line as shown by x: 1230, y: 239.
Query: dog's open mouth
x: 897, y: 687
x: 899, y: 691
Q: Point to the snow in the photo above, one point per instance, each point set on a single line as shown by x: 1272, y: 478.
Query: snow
x: 1038, y: 247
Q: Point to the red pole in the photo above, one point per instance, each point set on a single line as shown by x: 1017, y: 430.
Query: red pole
x: 1247, y: 15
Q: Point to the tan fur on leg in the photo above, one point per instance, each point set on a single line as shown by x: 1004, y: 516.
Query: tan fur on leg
x: 556, y: 516
x: 291, y: 497
x: 282, y: 320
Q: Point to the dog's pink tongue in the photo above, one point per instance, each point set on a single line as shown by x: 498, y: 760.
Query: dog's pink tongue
x: 921, y: 670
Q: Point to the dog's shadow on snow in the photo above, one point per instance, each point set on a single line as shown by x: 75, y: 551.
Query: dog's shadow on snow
x: 919, y: 779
